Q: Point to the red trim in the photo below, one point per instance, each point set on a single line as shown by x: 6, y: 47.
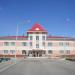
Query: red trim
x: 13, y: 36
x: 32, y: 33
x: 37, y: 25
x: 56, y: 37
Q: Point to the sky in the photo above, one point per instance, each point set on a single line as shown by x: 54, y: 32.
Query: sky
x: 56, y: 16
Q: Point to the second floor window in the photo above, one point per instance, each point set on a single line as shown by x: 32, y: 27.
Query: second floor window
x: 67, y: 43
x: 43, y: 37
x: 37, y: 37
x: 6, y: 43
x: 24, y: 44
x: 12, y: 43
x: 30, y: 37
x: 37, y: 45
x: 49, y: 44
x: 63, y: 43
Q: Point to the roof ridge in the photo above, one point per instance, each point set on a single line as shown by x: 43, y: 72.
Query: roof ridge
x: 37, y: 27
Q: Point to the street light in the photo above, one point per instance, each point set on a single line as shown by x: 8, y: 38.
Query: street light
x: 17, y: 30
x: 16, y: 41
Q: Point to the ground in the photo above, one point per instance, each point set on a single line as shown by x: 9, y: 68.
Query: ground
x: 42, y: 66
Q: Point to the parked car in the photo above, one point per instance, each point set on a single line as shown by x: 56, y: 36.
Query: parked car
x: 0, y: 60
x: 4, y: 59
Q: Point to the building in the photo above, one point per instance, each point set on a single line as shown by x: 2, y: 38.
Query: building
x: 37, y: 43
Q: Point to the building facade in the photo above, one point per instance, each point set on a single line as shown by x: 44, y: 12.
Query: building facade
x: 37, y: 43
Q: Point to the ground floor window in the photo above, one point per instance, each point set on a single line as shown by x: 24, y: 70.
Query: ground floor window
x: 36, y: 53
x: 62, y: 51
x: 50, y: 51
x: 12, y: 51
x: 67, y: 51
x: 23, y: 51
x: 43, y: 52
x: 6, y: 51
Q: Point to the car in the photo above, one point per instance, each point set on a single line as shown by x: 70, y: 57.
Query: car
x: 4, y: 59
x: 1, y: 60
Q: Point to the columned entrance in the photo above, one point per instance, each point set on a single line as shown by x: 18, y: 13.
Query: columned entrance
x: 36, y: 53
x: 24, y: 52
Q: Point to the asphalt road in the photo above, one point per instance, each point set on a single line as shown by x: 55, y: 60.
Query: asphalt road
x: 41, y: 67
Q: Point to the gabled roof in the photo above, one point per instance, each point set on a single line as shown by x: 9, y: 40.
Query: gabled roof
x: 56, y: 37
x: 60, y: 38
x: 12, y: 37
x: 36, y: 28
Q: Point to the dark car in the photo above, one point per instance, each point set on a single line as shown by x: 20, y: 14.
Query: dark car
x: 7, y: 59
x: 4, y: 59
x: 1, y: 60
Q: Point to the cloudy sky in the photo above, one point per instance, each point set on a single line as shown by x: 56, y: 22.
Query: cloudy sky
x: 56, y: 16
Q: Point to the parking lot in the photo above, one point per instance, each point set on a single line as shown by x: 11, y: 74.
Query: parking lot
x: 42, y: 66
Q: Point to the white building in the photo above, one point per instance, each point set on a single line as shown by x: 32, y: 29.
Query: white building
x: 37, y: 43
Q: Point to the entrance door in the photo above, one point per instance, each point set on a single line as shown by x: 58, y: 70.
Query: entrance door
x: 24, y: 52
x: 36, y: 53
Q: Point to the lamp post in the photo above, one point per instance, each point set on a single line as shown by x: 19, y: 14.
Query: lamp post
x: 16, y: 42
x: 17, y: 31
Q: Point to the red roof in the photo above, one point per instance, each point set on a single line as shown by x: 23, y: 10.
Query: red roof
x: 56, y: 37
x: 37, y: 27
x: 13, y: 37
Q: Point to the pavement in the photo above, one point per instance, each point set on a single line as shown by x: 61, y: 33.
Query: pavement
x: 41, y: 67
x: 5, y: 65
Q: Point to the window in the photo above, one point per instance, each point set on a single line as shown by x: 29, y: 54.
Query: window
x: 67, y: 51
x: 12, y: 51
x: 61, y: 43
x: 5, y: 51
x: 49, y: 44
x: 37, y: 37
x: 37, y: 45
x: 12, y: 43
x: 43, y: 37
x: 50, y: 51
x: 67, y: 43
x: 62, y: 51
x: 30, y: 37
x: 23, y: 51
x: 24, y: 44
x: 6, y: 43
